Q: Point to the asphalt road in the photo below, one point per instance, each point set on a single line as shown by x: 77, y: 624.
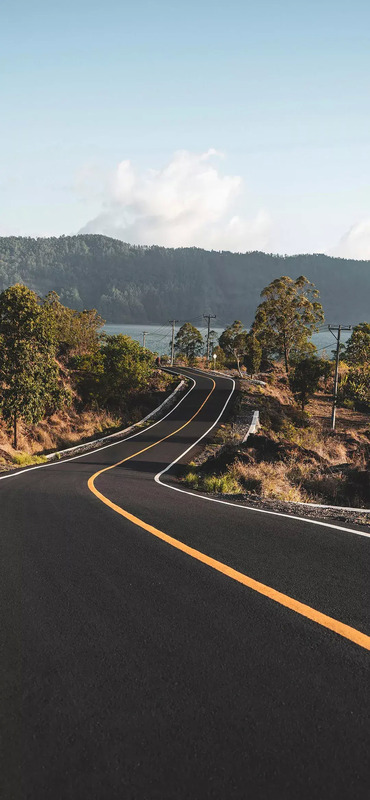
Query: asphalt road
x: 131, y: 668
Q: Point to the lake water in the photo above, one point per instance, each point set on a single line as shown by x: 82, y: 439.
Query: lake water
x: 158, y: 337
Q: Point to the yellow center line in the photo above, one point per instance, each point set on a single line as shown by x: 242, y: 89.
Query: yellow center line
x: 304, y: 610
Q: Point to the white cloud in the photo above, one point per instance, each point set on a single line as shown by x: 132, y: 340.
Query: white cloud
x: 355, y: 243
x: 186, y: 203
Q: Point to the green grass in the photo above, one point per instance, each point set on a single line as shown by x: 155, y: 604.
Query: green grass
x: 24, y: 459
x: 192, y: 480
x: 221, y: 484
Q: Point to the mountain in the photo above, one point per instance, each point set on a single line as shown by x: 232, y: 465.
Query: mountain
x: 133, y: 284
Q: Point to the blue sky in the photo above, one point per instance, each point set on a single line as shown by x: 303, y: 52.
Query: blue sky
x: 280, y: 90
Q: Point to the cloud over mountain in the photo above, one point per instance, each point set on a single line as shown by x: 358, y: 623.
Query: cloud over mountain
x: 356, y: 243
x: 188, y: 202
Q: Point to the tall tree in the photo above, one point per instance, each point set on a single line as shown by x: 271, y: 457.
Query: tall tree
x: 233, y: 341
x: 288, y: 316
x: 29, y: 374
x: 188, y: 341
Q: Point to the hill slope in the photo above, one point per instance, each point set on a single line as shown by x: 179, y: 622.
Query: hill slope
x: 130, y: 284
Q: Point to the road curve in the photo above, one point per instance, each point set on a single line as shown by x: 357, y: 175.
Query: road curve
x: 137, y: 664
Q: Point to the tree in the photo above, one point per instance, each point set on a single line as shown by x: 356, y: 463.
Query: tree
x: 75, y: 332
x: 357, y: 352
x: 188, y: 341
x: 304, y: 380
x: 354, y: 390
x: 287, y: 317
x: 233, y: 341
x: 29, y: 374
x: 118, y: 369
x: 253, y: 353
x: 219, y: 361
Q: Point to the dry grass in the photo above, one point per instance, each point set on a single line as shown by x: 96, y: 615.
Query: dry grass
x: 267, y: 480
x: 63, y: 429
x: 295, y: 457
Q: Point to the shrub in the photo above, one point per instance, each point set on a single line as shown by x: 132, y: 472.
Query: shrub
x: 192, y: 480
x: 24, y: 459
x: 222, y: 484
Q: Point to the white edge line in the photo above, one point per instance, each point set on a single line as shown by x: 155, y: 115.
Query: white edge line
x: 158, y: 476
x: 294, y: 502
x: 129, y: 428
x: 105, y: 447
x: 175, y: 488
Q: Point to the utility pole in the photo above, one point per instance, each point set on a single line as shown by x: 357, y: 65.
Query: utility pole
x: 144, y: 337
x: 208, y: 317
x: 173, y: 323
x: 336, y: 331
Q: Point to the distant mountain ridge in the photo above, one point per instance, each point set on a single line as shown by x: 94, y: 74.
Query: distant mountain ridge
x: 136, y: 284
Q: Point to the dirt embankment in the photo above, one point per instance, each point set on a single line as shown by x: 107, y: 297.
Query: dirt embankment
x: 294, y: 458
x: 75, y: 425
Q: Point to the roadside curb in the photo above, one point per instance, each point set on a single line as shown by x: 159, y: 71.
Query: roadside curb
x: 94, y: 444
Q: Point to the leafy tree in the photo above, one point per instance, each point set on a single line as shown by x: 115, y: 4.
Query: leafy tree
x: 233, y: 341
x: 288, y: 315
x: 76, y: 332
x: 357, y: 352
x: 120, y: 368
x: 29, y: 374
x: 354, y: 390
x: 188, y: 341
x: 305, y: 379
x: 253, y: 353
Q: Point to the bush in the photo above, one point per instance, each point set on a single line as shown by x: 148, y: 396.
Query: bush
x: 222, y: 484
x: 192, y: 480
x: 24, y: 459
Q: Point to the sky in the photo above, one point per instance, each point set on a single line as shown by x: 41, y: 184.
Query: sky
x: 237, y: 126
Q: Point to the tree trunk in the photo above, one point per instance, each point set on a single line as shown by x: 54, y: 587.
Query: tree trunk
x: 286, y: 359
x: 15, y: 431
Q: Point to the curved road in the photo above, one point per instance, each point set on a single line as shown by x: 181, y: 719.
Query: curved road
x: 156, y: 644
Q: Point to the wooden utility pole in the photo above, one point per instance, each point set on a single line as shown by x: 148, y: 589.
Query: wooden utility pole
x: 173, y: 323
x: 336, y: 331
x: 208, y: 317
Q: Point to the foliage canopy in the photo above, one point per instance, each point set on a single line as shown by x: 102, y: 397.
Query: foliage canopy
x: 188, y: 341
x: 29, y: 374
x: 287, y: 317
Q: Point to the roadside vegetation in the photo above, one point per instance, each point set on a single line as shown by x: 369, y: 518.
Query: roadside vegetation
x: 295, y: 457
x: 62, y: 380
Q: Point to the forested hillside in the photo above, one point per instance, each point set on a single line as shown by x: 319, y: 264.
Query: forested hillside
x: 134, y: 284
